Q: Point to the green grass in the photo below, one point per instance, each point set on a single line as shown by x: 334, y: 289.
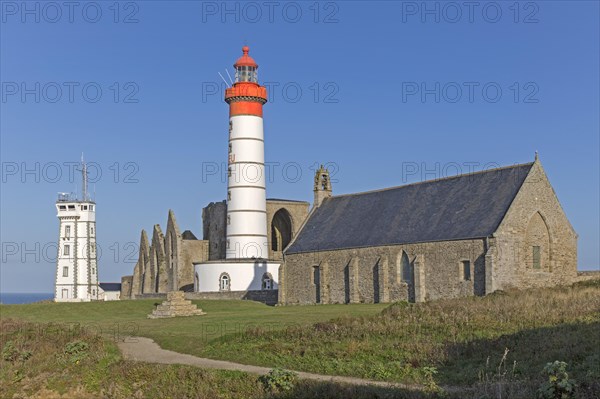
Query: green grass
x: 99, y: 372
x: 459, y: 342
x: 184, y: 334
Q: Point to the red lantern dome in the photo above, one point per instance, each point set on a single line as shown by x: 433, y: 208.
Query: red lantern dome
x: 245, y: 60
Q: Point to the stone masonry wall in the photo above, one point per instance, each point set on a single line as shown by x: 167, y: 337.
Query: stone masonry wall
x: 214, y: 222
x: 193, y: 251
x: 373, y: 274
x: 266, y: 296
x: 298, y: 212
x: 535, y: 218
x: 126, y: 287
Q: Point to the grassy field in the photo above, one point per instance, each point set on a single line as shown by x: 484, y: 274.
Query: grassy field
x: 460, y: 342
x: 188, y: 335
x: 83, y: 365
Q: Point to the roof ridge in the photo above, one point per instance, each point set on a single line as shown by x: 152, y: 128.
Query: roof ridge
x: 434, y: 180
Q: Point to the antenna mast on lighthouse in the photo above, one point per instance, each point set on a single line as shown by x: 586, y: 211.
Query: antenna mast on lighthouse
x: 84, y: 182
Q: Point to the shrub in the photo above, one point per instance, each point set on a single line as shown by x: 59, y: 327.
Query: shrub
x: 380, y: 372
x: 279, y: 380
x: 558, y: 385
x: 9, y: 352
x: 76, y: 351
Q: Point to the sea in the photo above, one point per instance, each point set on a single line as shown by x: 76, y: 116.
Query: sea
x: 13, y: 298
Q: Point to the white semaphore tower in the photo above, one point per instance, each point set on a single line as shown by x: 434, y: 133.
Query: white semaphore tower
x: 76, y: 265
x: 246, y: 266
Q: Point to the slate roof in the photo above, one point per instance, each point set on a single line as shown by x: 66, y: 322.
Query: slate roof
x: 110, y: 286
x: 188, y: 235
x: 459, y: 207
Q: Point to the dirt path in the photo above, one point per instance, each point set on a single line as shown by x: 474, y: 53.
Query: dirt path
x: 146, y: 350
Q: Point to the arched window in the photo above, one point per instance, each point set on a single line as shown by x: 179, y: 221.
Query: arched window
x: 267, y: 282
x: 224, y: 282
x: 404, y: 268
x: 281, y: 230
x: 537, y: 241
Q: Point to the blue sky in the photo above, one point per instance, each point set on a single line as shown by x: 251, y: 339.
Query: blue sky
x: 386, y: 93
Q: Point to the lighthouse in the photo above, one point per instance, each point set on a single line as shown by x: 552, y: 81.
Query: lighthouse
x: 246, y: 268
x: 246, y: 199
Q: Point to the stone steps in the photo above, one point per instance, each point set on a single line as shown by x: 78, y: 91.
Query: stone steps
x: 175, y: 305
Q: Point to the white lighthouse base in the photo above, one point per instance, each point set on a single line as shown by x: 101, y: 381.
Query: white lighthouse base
x: 240, y: 276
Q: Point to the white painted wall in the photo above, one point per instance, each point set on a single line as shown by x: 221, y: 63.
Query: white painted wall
x: 245, y: 276
x: 82, y: 251
x: 109, y: 295
x: 246, y: 203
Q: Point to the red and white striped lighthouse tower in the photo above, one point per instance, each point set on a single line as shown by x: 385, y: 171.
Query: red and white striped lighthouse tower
x: 246, y: 266
x: 246, y: 196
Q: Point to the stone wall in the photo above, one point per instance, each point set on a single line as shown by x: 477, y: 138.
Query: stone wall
x: 126, y: 282
x: 297, y: 212
x: 588, y: 275
x: 266, y: 296
x: 159, y: 279
x: 193, y: 251
x: 172, y: 251
x: 152, y: 295
x: 167, y: 264
x: 374, y: 274
x: 535, y: 218
x: 214, y: 223
x: 142, y: 265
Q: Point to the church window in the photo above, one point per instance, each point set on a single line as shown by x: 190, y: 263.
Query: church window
x: 405, y: 269
x: 68, y: 232
x: 466, y: 270
x: 267, y: 282
x: 65, y: 271
x: 537, y: 264
x: 316, y: 280
x: 224, y: 282
x: 67, y: 250
x: 316, y: 275
x: 91, y: 207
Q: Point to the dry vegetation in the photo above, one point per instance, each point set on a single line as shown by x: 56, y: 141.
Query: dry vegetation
x: 475, y: 348
x: 455, y: 342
